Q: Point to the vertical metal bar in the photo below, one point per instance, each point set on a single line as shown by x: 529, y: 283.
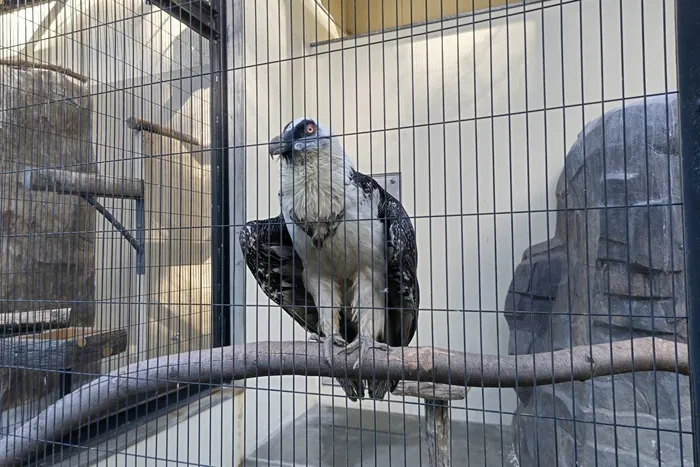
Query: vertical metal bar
x: 233, y: 25
x: 141, y: 235
x: 688, y: 40
x: 221, y: 286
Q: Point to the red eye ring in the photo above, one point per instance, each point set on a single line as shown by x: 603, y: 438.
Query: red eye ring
x: 310, y: 129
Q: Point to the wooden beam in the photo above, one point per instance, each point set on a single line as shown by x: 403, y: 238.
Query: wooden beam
x: 326, y: 26
x: 78, y: 183
x: 23, y: 321
x: 362, y: 17
x: 61, y: 349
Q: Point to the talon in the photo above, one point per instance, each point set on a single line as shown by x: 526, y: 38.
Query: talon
x: 376, y: 389
x: 328, y: 343
x: 315, y: 338
x: 351, y: 346
x: 366, y: 344
x: 335, y: 338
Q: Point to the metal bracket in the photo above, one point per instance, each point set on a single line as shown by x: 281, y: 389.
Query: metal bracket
x: 89, y: 187
x: 139, y: 242
x: 198, y: 15
x: 391, y: 182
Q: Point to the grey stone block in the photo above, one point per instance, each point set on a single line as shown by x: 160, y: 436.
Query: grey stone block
x: 614, y: 270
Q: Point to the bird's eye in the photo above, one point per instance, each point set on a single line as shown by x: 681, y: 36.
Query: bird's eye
x: 310, y: 129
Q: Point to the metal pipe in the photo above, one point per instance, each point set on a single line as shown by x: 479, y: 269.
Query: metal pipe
x: 221, y: 288
x: 688, y: 41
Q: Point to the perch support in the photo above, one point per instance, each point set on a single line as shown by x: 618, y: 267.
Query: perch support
x: 436, y: 426
x: 263, y: 359
x: 89, y: 187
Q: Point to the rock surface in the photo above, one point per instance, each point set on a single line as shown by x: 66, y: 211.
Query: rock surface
x: 46, y: 239
x: 612, y: 272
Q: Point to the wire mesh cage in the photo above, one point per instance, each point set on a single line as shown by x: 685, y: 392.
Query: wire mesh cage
x: 341, y: 232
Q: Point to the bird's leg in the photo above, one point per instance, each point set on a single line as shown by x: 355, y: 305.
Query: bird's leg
x: 353, y: 389
x: 369, y: 311
x: 327, y: 295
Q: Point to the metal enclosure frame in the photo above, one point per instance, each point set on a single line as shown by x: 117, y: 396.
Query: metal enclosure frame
x: 688, y: 40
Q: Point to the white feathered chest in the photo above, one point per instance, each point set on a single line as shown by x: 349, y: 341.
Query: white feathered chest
x: 333, y: 223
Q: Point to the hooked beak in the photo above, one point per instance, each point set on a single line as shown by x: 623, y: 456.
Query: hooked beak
x: 279, y: 145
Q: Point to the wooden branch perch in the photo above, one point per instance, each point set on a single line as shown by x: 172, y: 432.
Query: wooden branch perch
x: 139, y: 124
x: 16, y: 62
x: 78, y: 183
x: 104, y: 395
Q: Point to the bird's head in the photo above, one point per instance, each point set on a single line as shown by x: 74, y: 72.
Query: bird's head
x: 301, y: 141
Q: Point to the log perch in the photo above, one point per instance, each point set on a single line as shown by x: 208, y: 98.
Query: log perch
x: 78, y: 183
x: 33, y: 321
x: 60, y: 349
x: 105, y: 394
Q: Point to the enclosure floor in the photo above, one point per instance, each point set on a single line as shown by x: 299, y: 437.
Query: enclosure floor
x: 336, y: 436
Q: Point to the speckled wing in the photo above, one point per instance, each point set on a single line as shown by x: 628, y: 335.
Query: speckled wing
x: 403, y: 290
x: 270, y: 256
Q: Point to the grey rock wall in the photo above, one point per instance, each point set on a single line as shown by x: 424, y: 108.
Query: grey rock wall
x: 612, y: 272
x: 47, y: 253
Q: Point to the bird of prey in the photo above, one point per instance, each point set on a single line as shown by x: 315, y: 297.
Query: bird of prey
x: 341, y: 257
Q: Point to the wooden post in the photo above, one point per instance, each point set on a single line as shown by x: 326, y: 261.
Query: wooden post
x: 436, y: 426
x: 436, y: 431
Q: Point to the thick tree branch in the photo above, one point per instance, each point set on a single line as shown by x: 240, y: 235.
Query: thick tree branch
x: 105, y: 394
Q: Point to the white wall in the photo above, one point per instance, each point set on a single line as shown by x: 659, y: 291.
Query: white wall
x: 434, y: 104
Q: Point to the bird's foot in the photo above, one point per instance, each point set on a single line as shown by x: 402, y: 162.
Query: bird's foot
x: 376, y: 388
x: 328, y: 343
x: 364, y: 344
x: 354, y: 389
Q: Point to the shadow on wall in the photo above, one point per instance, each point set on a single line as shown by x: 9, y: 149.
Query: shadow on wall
x: 623, y: 279
x: 178, y: 245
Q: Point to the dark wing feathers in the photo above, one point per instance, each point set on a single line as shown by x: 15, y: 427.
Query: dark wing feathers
x: 402, y: 259
x: 270, y: 256
x: 403, y: 291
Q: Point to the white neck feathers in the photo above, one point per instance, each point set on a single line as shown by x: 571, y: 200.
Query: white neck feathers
x: 315, y: 189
